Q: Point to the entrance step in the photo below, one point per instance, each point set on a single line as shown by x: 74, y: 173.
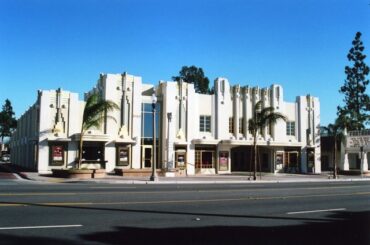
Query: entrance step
x: 148, y: 172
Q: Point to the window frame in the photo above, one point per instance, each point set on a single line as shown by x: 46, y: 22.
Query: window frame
x: 205, y: 123
x: 231, y: 125
x: 241, y: 125
x: 290, y: 128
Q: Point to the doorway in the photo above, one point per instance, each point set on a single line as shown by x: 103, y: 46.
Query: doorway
x: 204, y: 158
x: 146, y: 156
x: 241, y: 159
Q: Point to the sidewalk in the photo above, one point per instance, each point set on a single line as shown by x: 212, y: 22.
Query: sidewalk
x: 233, y: 178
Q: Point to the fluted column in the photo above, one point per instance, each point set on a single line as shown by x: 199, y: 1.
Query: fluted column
x: 365, y: 165
x: 346, y: 163
x: 236, y: 111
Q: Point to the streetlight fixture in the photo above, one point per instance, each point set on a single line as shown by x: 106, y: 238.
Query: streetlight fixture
x: 154, y: 176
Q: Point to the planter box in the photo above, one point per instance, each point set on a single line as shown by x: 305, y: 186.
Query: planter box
x: 98, y: 173
x: 136, y: 172
x: 90, y: 166
x: 79, y: 173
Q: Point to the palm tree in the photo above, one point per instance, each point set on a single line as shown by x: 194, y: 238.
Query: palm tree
x: 95, y: 112
x: 336, y: 131
x: 262, y: 117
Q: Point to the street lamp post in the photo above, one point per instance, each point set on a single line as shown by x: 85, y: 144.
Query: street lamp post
x: 154, y: 176
x: 362, y: 160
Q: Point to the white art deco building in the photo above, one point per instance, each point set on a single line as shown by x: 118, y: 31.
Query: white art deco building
x: 195, y: 133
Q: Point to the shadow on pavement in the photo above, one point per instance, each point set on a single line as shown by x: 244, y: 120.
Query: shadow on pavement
x: 9, y: 239
x: 347, y: 228
x: 12, y: 168
x: 336, y: 228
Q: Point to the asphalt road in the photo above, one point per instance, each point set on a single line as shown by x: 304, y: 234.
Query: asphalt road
x: 285, y: 213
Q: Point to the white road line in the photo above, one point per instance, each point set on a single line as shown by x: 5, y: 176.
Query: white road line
x: 38, y: 227
x: 112, y: 187
x: 317, y: 211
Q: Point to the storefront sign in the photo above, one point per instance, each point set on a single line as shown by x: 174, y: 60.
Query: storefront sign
x: 358, y: 141
x: 224, y: 160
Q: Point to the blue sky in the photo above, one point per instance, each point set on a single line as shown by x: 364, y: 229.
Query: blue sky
x: 300, y: 44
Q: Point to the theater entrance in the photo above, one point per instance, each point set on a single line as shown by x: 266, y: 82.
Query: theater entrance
x: 241, y: 159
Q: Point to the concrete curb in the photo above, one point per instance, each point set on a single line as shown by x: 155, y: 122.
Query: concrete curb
x: 202, y: 179
x: 147, y: 182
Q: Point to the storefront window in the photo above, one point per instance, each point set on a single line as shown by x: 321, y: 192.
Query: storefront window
x: 291, y: 161
x: 204, y: 158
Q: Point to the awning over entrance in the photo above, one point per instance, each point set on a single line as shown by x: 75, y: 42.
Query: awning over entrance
x: 205, y: 142
x: 232, y: 142
x: 180, y: 143
x: 59, y: 139
x: 125, y: 141
x: 236, y: 142
x: 91, y: 137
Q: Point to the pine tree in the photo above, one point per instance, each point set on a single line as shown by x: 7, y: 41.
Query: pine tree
x: 357, y: 101
x: 7, y: 120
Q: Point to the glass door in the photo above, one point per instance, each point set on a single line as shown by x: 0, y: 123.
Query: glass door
x: 146, y: 160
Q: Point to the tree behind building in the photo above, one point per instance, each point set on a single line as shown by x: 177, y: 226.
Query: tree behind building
x: 195, y: 75
x: 356, y: 99
x: 7, y: 120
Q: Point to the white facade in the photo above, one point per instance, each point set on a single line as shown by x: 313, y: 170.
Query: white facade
x: 355, y: 154
x: 196, y: 133
x: 352, y: 155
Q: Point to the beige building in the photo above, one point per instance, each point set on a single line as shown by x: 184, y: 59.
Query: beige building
x: 195, y: 133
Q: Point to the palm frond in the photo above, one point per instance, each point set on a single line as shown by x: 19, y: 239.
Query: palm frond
x: 271, y: 118
x: 95, y: 111
x: 263, y: 117
x: 267, y: 110
x: 258, y: 106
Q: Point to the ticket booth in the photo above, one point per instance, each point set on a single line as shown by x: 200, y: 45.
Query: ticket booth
x: 311, y: 160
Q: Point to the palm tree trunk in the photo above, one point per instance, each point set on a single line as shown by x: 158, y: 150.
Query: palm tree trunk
x: 250, y: 162
x: 80, y: 150
x: 259, y: 161
x: 255, y: 157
